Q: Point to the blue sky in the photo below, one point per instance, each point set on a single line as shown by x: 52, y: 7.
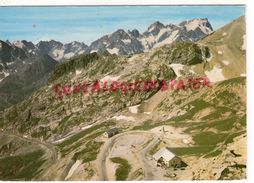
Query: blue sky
x: 87, y: 24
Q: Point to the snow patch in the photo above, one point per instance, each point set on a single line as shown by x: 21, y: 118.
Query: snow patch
x: 58, y: 54
x: 9, y: 63
x: 6, y: 74
x: 186, y: 141
x: 194, y: 24
x: 162, y: 31
x: 86, y: 127
x: 220, y: 52
x: 145, y: 44
x: 224, y: 34
x: 18, y: 44
x: 243, y: 75
x: 192, y: 71
x: 225, y: 62
x: 77, y: 72
x: 126, y: 41
x: 134, y: 109
x: 110, y: 78
x: 215, y: 74
x: 210, y: 58
x: 148, y: 41
x: 81, y: 52
x: 173, y: 36
x: 60, y: 140
x: 113, y: 51
x: 69, y: 55
x: 177, y: 68
x: 93, y: 51
x: 126, y: 118
x: 152, y: 28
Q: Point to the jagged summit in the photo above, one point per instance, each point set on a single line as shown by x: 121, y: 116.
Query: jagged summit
x: 156, y: 35
x: 155, y: 25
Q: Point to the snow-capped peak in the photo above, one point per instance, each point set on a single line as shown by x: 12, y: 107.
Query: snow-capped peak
x: 157, y: 34
x: 121, y: 42
x: 18, y: 44
x: 201, y: 23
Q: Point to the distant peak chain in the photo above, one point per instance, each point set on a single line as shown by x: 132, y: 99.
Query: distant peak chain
x: 119, y: 42
x: 157, y: 34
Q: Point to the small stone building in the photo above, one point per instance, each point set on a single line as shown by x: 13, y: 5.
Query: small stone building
x: 166, y: 158
x: 111, y: 132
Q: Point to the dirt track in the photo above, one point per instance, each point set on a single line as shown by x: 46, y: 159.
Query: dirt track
x: 48, y: 146
x: 104, y: 153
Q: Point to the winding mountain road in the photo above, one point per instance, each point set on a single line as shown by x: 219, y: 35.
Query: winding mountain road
x: 105, y: 150
x: 48, y: 146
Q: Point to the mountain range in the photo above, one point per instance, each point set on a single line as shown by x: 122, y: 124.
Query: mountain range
x: 47, y: 138
x: 15, y: 56
x: 119, y: 42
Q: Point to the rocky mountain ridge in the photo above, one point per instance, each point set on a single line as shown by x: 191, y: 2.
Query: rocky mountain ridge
x: 130, y: 42
x: 157, y: 34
